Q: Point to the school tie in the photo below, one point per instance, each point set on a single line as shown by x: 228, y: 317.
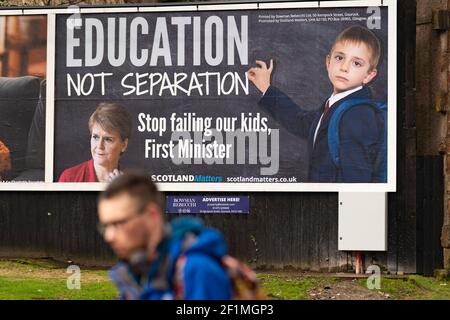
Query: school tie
x: 326, y: 108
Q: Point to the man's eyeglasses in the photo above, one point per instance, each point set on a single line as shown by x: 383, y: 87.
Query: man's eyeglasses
x: 102, y: 227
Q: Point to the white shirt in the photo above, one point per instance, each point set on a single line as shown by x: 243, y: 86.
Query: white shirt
x: 332, y: 100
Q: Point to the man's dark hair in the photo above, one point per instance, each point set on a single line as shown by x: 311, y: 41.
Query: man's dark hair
x: 138, y: 186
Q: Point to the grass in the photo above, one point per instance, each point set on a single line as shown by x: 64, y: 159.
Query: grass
x: 29, y: 279
x: 25, y: 279
x: 35, y: 289
x: 414, y: 287
x: 283, y: 287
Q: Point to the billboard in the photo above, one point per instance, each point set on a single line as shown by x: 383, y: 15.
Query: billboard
x: 243, y: 97
x: 23, y: 67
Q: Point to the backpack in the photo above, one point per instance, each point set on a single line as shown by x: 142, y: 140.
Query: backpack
x: 244, y: 283
x: 380, y: 163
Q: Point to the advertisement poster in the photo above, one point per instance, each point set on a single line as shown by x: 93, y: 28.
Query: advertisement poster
x: 23, y: 65
x: 285, y: 99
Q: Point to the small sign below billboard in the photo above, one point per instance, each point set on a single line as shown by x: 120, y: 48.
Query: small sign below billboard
x: 207, y: 204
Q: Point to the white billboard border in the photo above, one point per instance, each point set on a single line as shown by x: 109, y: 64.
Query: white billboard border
x: 49, y: 185
x: 50, y: 99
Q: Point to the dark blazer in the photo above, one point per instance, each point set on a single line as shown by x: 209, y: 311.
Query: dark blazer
x: 360, y: 134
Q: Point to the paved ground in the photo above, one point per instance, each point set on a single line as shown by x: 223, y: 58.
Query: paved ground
x: 345, y: 290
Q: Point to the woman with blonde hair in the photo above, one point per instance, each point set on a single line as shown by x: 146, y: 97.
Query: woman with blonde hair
x: 110, y: 128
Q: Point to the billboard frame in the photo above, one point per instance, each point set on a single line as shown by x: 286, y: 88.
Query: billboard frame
x: 52, y: 12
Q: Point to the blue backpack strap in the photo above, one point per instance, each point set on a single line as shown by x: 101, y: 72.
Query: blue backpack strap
x: 334, y: 133
x: 380, y: 174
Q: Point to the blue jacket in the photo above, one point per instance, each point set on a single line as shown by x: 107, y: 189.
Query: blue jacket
x: 360, y: 132
x: 203, y: 276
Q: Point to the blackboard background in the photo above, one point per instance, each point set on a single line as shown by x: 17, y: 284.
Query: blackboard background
x: 299, y: 51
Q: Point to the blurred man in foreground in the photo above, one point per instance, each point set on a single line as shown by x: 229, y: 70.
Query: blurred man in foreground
x: 179, y: 260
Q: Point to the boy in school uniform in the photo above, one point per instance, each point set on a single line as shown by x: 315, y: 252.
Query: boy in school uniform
x: 351, y: 66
